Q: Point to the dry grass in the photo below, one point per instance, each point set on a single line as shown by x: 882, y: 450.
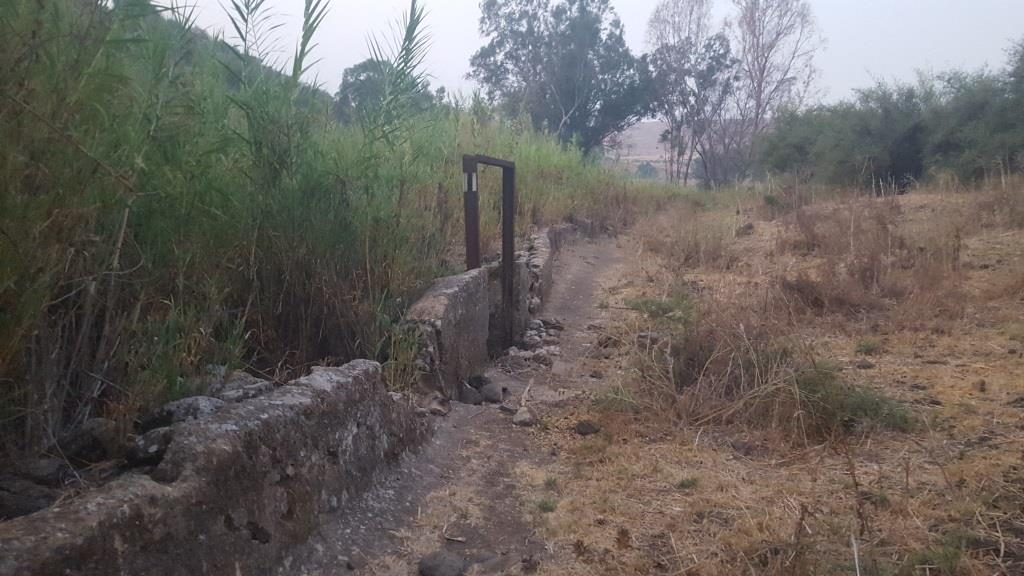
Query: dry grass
x: 706, y: 463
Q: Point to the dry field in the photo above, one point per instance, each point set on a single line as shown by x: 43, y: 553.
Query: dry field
x: 834, y: 389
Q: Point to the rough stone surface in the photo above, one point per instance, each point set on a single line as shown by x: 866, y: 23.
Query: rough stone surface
x: 149, y: 448
x: 498, y: 335
x: 442, y: 563
x: 20, y: 497
x: 234, y: 492
x: 192, y: 408
x: 524, y: 417
x: 493, y: 392
x: 45, y: 471
x: 453, y: 321
x: 239, y: 386
x: 587, y: 428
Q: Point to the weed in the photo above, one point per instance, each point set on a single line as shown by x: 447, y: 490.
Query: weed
x: 547, y: 505
x: 868, y: 347
x: 551, y: 483
x: 676, y: 309
x: 687, y: 484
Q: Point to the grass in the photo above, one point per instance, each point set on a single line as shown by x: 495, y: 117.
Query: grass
x: 170, y: 201
x: 547, y: 505
x: 868, y: 347
x: 688, y: 483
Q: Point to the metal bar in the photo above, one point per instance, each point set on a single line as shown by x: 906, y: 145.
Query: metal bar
x: 497, y: 162
x: 508, y: 245
x: 471, y: 209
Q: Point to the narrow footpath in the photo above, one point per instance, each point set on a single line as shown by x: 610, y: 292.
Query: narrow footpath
x: 458, y: 500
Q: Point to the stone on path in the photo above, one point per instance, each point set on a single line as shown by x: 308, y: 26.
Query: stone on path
x: 524, y: 417
x: 442, y: 563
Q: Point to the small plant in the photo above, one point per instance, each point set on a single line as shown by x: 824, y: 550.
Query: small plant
x: 869, y: 347
x: 547, y: 505
x: 677, y: 308
x: 688, y: 483
x: 551, y: 483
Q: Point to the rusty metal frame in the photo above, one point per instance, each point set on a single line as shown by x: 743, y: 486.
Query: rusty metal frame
x: 471, y: 202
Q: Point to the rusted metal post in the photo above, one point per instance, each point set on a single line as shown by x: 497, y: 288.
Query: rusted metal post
x: 508, y: 247
x: 471, y: 203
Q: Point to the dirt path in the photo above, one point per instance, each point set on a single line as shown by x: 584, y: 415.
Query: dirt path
x: 460, y: 493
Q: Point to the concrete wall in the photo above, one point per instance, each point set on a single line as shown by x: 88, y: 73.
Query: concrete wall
x: 460, y: 318
x: 453, y: 321
x: 235, y: 490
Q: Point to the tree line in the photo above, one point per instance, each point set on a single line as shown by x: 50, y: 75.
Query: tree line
x: 565, y: 67
x: 964, y: 126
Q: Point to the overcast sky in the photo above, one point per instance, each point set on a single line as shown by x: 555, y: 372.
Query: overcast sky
x: 865, y: 39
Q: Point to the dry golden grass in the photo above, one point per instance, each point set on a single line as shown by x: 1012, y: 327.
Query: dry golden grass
x: 660, y: 492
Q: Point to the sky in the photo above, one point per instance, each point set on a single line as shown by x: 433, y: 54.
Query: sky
x: 864, y: 39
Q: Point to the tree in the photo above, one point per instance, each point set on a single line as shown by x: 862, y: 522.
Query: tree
x: 775, y: 42
x: 693, y: 74
x: 363, y: 87
x: 565, y: 65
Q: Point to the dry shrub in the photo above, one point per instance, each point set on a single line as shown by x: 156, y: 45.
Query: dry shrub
x: 687, y: 236
x: 865, y: 260
x: 739, y: 364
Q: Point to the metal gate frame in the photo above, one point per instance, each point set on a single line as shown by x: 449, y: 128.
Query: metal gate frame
x: 471, y: 202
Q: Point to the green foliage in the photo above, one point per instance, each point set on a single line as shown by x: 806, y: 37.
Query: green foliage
x: 837, y: 406
x: 869, y: 347
x: 677, y: 309
x: 967, y: 124
x: 565, y: 65
x: 168, y: 201
x: 688, y: 483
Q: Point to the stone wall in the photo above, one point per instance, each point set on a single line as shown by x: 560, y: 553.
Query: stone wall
x: 460, y: 318
x: 452, y: 318
x: 235, y: 490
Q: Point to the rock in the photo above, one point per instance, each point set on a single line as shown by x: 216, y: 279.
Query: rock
x: 596, y: 374
x: 524, y: 417
x: 44, y: 471
x: 493, y: 393
x: 536, y: 325
x: 97, y: 440
x: 648, y: 338
x: 745, y: 230
x: 550, y: 341
x: 478, y: 381
x: 470, y: 395
x: 193, y: 408
x: 863, y: 364
x: 587, y: 428
x: 247, y: 392
x: 21, y: 497
x: 149, y: 448
x: 442, y: 563
x: 1017, y: 402
x: 532, y: 342
x: 535, y: 305
x: 507, y: 409
x: 552, y: 324
x: 981, y: 385
x: 439, y: 406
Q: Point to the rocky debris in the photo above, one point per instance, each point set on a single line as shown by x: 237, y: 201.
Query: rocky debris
x: 1017, y: 402
x: 470, y: 395
x: 193, y: 408
x: 439, y: 406
x: 535, y: 305
x: 648, y: 338
x: 239, y: 386
x: 596, y: 374
x: 507, y: 409
x: 478, y: 381
x: 529, y: 564
x: 539, y: 335
x: 442, y: 563
x: 552, y: 324
x: 149, y: 448
x: 543, y: 355
x: 980, y: 385
x: 97, y: 440
x: 863, y: 364
x: 21, y: 497
x: 745, y: 230
x: 587, y: 428
x: 524, y: 417
x: 493, y: 393
x: 45, y: 471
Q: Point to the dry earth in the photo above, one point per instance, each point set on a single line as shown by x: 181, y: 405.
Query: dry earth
x: 612, y: 480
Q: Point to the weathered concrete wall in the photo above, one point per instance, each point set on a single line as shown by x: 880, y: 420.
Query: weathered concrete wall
x: 497, y: 338
x: 234, y: 491
x: 453, y: 320
x: 460, y: 317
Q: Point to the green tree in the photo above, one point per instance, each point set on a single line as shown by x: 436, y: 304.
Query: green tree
x: 565, y: 65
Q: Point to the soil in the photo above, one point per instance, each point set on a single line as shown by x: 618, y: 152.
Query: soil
x: 463, y: 492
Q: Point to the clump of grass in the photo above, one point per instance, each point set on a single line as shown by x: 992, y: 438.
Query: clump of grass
x: 677, y: 308
x: 551, y: 483
x: 547, y: 505
x: 868, y: 347
x: 687, y: 484
x: 834, y: 405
